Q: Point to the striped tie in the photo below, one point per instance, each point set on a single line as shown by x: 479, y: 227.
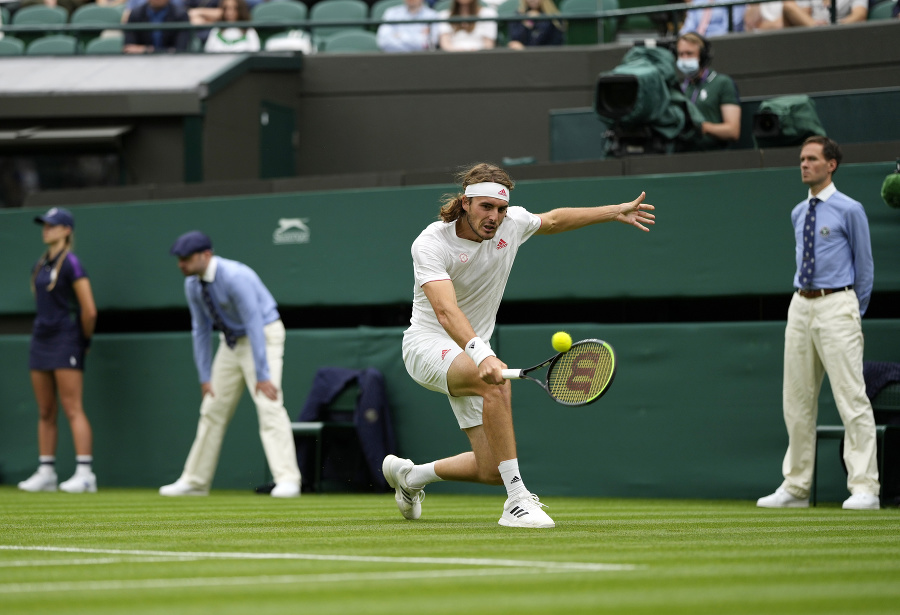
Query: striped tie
x: 218, y: 323
x: 808, y: 265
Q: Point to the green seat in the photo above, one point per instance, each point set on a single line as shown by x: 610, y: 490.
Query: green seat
x: 11, y: 46
x: 94, y: 15
x: 508, y: 8
x: 105, y: 45
x: 53, y: 45
x: 351, y: 41
x: 278, y: 11
x: 656, y: 22
x: 587, y: 31
x: 442, y: 5
x: 882, y: 10
x: 39, y: 15
x: 4, y: 15
x: 376, y: 13
x: 336, y: 11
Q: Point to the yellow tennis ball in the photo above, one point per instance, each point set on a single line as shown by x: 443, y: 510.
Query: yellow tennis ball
x: 561, y: 341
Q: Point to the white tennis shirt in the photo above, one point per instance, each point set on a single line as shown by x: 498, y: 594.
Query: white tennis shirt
x: 479, y: 271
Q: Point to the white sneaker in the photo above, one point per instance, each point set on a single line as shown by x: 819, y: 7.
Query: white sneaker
x: 80, y: 483
x: 42, y: 480
x: 180, y: 487
x: 409, y: 501
x: 286, y: 490
x: 525, y: 511
x: 862, y: 501
x: 782, y: 499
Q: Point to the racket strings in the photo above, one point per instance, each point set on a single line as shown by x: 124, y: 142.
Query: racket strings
x: 581, y: 374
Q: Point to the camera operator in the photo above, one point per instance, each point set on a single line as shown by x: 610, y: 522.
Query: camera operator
x: 714, y: 94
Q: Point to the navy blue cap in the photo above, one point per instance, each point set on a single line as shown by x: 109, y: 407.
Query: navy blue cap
x: 191, y: 243
x: 56, y: 216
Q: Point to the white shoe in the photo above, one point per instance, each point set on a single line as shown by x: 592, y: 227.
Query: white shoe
x: 286, y: 490
x: 525, y: 511
x: 782, y: 499
x: 80, y: 483
x: 862, y: 501
x: 409, y: 501
x: 180, y: 487
x: 42, y: 480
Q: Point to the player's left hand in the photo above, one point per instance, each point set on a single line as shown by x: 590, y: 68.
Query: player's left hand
x: 268, y: 389
x: 637, y: 213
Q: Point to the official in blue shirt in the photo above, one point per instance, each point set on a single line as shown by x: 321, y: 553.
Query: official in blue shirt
x: 833, y: 284
x: 228, y: 297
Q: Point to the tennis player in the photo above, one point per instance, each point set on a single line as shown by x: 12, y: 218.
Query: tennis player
x: 461, y: 264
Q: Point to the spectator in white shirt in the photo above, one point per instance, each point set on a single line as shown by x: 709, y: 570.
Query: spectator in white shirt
x: 230, y: 39
x: 818, y: 12
x: 468, y: 36
x: 398, y: 37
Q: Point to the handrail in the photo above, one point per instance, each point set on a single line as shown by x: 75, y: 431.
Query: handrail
x: 599, y: 15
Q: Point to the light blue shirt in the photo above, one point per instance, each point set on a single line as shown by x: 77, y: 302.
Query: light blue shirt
x: 718, y: 21
x: 842, y: 249
x: 245, y: 305
x: 405, y: 37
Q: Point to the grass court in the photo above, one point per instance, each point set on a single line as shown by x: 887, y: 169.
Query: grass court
x: 132, y: 551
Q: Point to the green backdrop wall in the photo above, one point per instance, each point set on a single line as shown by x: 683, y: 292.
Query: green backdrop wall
x: 695, y: 411
x: 718, y: 234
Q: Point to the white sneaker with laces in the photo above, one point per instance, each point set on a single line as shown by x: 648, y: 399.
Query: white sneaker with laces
x: 286, y: 490
x: 782, y: 499
x: 81, y: 482
x: 525, y: 511
x: 409, y: 501
x: 862, y: 501
x: 42, y: 480
x: 180, y: 487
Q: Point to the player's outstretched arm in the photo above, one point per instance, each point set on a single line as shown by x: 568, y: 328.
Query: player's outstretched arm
x: 636, y: 213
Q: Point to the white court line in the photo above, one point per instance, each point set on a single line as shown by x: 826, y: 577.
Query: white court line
x: 95, y: 586
x: 91, y: 561
x: 439, y: 561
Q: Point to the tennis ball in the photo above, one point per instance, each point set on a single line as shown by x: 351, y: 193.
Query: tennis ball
x: 561, y: 341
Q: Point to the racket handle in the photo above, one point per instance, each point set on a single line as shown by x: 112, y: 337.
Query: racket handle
x: 512, y: 374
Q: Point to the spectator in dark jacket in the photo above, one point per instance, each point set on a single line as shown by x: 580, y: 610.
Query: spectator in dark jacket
x: 150, y: 41
x: 530, y: 32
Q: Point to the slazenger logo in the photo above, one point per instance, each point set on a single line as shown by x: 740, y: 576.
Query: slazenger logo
x: 291, y: 230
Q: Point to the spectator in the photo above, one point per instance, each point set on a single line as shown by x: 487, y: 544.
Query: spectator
x: 714, y: 94
x: 531, y: 33
x: 69, y: 5
x: 833, y: 282
x: 818, y: 13
x: 150, y: 41
x: 63, y: 327
x: 202, y: 12
x: 401, y: 37
x: 231, y: 39
x: 712, y: 21
x: 765, y: 16
x: 468, y: 36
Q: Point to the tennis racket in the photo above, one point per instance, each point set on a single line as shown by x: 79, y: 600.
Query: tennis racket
x: 577, y: 377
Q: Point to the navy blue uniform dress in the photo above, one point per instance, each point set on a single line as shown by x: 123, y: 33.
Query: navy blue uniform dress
x: 57, y: 340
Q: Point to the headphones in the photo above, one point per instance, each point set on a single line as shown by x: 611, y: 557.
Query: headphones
x: 706, y: 54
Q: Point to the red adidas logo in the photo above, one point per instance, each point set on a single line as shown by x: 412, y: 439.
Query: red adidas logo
x: 502, y: 192
x: 501, y: 244
x: 444, y: 353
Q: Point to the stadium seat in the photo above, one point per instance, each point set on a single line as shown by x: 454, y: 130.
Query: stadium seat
x: 4, y: 15
x: 882, y: 10
x: 38, y: 15
x: 280, y: 11
x: 351, y: 41
x: 11, y: 46
x: 585, y: 31
x: 94, y: 15
x: 336, y: 11
x: 105, y: 45
x: 53, y: 45
x: 508, y: 8
x: 887, y: 402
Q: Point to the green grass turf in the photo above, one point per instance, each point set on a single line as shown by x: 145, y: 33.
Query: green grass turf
x: 719, y: 557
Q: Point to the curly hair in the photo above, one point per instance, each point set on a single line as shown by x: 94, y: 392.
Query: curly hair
x: 451, y: 207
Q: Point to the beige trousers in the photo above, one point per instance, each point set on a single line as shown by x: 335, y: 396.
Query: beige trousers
x: 231, y: 369
x: 825, y: 335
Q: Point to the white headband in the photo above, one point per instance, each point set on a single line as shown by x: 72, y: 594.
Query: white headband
x: 491, y: 189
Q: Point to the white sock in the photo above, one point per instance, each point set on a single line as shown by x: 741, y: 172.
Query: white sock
x: 47, y: 464
x: 422, y: 475
x: 83, y: 464
x: 512, y: 479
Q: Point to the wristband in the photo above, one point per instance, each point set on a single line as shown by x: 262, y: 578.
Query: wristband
x: 478, y: 351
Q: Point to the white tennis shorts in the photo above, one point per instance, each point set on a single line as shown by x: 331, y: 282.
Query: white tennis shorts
x: 428, y: 357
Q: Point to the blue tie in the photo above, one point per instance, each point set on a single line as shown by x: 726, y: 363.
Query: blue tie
x: 218, y: 323
x: 808, y: 265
